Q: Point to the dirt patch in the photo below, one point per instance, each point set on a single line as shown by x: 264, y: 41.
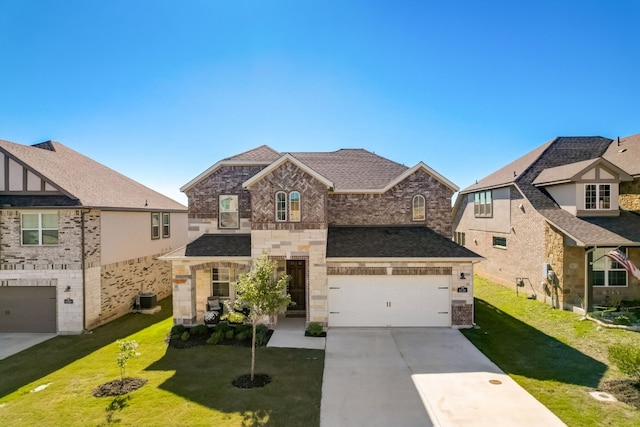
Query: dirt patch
x: 244, y: 381
x: 625, y: 390
x: 119, y: 387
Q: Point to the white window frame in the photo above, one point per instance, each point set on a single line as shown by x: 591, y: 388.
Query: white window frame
x: 155, y: 225
x: 40, y: 229
x: 295, y: 208
x: 602, y: 263
x: 281, y: 206
x: 483, y: 204
x: 228, y: 211
x: 419, y: 212
x: 600, y: 202
x: 166, y: 225
x: 224, y: 280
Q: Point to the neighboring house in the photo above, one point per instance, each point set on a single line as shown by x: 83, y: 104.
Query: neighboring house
x: 366, y: 241
x: 546, y: 221
x: 78, y: 241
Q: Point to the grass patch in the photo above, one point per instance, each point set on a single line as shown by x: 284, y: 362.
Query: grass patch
x: 189, y: 386
x: 554, y: 355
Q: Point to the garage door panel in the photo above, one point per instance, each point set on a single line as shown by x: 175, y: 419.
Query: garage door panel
x: 28, y: 309
x: 389, y: 301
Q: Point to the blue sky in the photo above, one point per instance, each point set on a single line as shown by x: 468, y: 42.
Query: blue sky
x: 161, y: 90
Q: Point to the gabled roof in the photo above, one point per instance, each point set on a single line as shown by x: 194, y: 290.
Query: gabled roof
x: 625, y: 154
x: 574, y: 171
x: 393, y: 242
x: 346, y: 170
x: 83, y: 180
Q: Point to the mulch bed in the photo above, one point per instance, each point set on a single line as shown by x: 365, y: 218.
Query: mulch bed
x: 244, y: 381
x: 197, y: 340
x: 119, y: 387
x: 625, y: 390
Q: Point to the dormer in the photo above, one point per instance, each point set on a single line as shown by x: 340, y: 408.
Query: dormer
x: 587, y: 188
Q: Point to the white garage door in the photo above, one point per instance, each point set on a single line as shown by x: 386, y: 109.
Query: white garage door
x: 389, y: 301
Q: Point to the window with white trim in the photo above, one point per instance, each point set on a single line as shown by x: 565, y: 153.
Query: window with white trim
x: 228, y: 212
x: 607, y: 272
x: 418, y: 208
x: 288, y: 206
x: 220, y: 281
x: 482, y: 204
x: 459, y: 237
x: 155, y: 225
x: 166, y: 225
x: 294, y: 206
x: 39, y: 229
x: 597, y: 196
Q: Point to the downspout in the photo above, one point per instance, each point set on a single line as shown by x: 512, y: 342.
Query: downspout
x: 84, y: 272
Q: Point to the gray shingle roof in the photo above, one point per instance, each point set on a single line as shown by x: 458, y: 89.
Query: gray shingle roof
x: 626, y: 155
x: 220, y: 245
x: 264, y: 153
x: 91, y: 183
x: 392, y: 242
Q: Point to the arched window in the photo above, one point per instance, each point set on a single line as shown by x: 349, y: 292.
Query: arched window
x: 281, y: 206
x: 294, y: 206
x: 418, y: 208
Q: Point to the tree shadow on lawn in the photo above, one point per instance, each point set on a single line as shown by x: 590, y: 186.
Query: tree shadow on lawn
x: 204, y: 375
x: 520, y: 349
x: 40, y: 360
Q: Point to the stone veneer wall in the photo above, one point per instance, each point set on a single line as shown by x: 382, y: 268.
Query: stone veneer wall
x: 629, y: 197
x: 300, y: 244
x: 461, y: 302
x: 396, y: 205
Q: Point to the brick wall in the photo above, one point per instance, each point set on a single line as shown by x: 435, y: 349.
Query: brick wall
x: 288, y: 177
x: 396, y: 205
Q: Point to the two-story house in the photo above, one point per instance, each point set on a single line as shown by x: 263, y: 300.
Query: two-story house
x: 365, y: 240
x: 78, y: 241
x: 546, y: 221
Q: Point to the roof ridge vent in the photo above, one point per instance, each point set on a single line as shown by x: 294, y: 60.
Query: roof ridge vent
x: 47, y: 145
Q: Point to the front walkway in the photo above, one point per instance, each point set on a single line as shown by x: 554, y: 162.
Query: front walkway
x: 289, y: 332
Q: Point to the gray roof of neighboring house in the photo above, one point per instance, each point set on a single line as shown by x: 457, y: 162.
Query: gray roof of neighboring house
x: 82, y: 179
x: 220, y: 245
x: 557, y: 160
x: 392, y: 242
x: 626, y: 154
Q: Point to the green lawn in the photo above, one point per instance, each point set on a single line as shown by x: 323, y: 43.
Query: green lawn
x: 186, y: 387
x: 553, y: 354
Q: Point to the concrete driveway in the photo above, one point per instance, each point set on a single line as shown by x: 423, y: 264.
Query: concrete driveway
x: 419, y: 377
x: 12, y: 343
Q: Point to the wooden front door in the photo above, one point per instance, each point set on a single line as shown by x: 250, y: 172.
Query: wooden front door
x: 297, y: 270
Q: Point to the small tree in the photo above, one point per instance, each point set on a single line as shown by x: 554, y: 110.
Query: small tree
x: 264, y: 295
x: 128, y: 349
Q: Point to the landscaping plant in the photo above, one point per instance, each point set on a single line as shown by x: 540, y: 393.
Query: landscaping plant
x: 264, y: 295
x: 128, y: 349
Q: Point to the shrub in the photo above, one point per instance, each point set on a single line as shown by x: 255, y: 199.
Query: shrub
x: 229, y: 334
x: 243, y: 328
x: 262, y: 335
x: 243, y: 335
x: 215, y: 338
x: 177, y: 330
x: 199, y: 330
x: 223, y: 326
x: 627, y: 358
x: 314, y: 329
x: 235, y: 317
x: 622, y: 320
x: 185, y: 336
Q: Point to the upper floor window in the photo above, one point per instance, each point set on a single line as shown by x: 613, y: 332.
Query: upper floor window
x: 287, y: 206
x: 228, y: 212
x: 220, y: 280
x: 155, y: 225
x: 281, y: 206
x: 482, y: 204
x: 39, y: 229
x: 606, y: 271
x: 294, y: 206
x: 166, y: 224
x: 499, y: 242
x: 459, y: 238
x: 597, y: 196
x: 418, y: 208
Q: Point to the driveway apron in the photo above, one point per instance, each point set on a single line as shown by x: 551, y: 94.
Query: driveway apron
x: 419, y: 377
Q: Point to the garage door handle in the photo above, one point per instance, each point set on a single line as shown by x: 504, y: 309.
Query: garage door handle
x: 334, y: 312
x: 443, y: 287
